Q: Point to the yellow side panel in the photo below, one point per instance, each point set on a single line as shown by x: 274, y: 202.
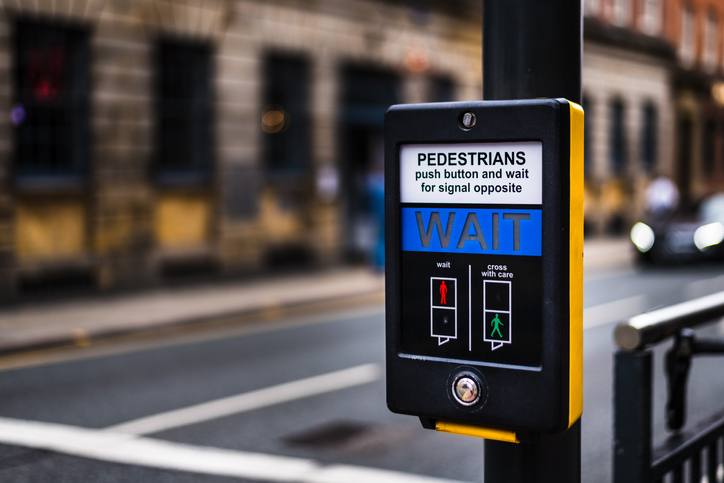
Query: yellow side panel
x: 183, y: 220
x: 477, y: 431
x: 50, y: 228
x: 575, y: 391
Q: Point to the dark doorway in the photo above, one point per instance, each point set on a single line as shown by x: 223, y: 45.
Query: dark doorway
x: 366, y: 94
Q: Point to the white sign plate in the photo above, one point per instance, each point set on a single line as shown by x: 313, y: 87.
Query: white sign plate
x: 488, y: 173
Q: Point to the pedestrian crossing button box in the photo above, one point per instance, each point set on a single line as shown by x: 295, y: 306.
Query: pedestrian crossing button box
x: 484, y: 275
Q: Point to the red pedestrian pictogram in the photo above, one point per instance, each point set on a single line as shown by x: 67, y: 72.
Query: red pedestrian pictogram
x: 443, y: 291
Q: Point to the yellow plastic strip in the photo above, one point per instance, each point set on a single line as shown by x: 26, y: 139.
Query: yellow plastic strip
x: 575, y: 283
x: 477, y: 431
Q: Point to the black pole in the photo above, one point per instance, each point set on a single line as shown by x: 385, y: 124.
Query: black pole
x: 533, y: 48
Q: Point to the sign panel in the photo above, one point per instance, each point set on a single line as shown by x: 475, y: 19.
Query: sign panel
x: 484, y: 264
x: 508, y: 173
x: 508, y: 176
x: 468, y: 230
x: 490, y: 286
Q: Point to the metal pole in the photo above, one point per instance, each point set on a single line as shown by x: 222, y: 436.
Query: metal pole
x: 533, y: 48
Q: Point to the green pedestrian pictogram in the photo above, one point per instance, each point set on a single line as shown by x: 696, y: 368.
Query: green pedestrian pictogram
x: 496, y: 323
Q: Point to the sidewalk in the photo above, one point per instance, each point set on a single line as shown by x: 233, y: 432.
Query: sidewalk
x: 33, y: 326
x: 27, y: 327
x: 608, y: 253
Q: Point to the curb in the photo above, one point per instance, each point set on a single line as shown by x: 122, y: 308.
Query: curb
x: 34, y: 328
x: 84, y: 338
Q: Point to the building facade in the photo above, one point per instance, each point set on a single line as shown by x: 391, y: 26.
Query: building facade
x: 652, y: 73
x: 150, y: 139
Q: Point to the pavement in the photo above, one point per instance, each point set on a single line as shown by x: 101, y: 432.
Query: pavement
x: 32, y: 326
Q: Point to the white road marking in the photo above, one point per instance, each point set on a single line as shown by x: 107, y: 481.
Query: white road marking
x: 290, y: 391
x: 614, y: 311
x: 105, y: 445
x: 358, y: 474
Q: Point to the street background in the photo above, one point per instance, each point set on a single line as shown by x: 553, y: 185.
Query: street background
x: 227, y: 382
x: 191, y: 248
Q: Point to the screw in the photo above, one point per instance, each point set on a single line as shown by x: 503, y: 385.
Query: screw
x: 468, y: 120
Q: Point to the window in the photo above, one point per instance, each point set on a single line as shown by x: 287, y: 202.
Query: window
x: 685, y: 131
x: 649, y: 136
x: 651, y: 17
x: 686, y: 37
x: 51, y: 102
x: 710, y: 43
x: 617, y: 151
x: 587, y: 133
x: 285, y: 117
x: 442, y: 89
x: 591, y: 7
x: 621, y: 14
x: 709, y: 153
x: 185, y: 147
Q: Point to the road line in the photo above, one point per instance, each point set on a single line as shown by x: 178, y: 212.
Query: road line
x: 613, y: 311
x: 359, y: 474
x: 290, y: 391
x: 113, y: 447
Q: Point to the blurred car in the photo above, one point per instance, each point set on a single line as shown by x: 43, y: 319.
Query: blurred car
x: 684, y: 236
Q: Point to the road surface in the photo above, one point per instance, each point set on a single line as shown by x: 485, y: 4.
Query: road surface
x: 292, y: 399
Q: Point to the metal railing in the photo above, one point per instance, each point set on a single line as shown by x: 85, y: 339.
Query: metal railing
x: 687, y: 455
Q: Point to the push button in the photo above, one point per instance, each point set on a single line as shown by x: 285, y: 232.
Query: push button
x: 466, y: 390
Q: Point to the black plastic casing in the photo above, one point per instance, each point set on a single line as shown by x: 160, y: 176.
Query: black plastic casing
x: 523, y: 399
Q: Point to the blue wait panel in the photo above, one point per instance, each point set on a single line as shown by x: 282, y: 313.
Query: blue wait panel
x: 498, y: 231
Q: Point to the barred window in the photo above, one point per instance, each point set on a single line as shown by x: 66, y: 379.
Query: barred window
x: 442, y: 89
x: 184, y: 96
x: 50, y: 111
x: 686, y: 35
x: 621, y: 12
x: 285, y: 117
x: 617, y: 150
x: 649, y: 136
x: 709, y: 146
x: 651, y: 17
x: 711, y: 34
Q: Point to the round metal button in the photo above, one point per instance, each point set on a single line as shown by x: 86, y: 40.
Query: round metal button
x: 466, y: 390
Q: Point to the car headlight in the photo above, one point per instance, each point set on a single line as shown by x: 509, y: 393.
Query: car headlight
x: 642, y: 236
x: 708, y: 235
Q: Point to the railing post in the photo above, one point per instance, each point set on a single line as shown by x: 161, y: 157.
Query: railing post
x: 632, y: 416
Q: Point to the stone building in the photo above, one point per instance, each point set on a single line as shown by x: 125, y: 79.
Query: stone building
x: 652, y: 72
x: 147, y: 139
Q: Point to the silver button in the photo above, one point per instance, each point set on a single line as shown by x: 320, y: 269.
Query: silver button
x: 466, y: 390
